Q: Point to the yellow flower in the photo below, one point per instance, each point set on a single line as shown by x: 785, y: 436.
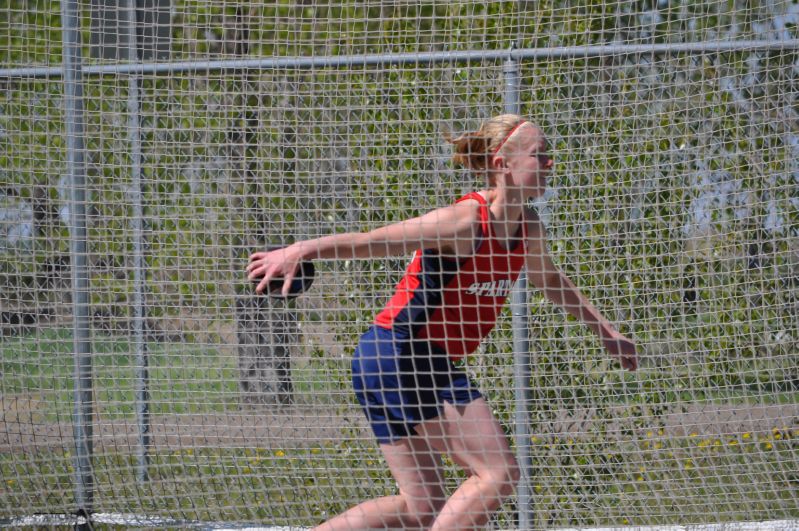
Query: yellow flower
x: 280, y: 453
x: 746, y: 436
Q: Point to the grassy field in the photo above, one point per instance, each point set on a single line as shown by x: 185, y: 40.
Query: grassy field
x: 582, y: 479
x: 183, y: 378
x: 657, y: 481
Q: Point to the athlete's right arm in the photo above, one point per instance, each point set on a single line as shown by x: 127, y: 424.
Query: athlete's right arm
x: 451, y: 230
x: 440, y: 229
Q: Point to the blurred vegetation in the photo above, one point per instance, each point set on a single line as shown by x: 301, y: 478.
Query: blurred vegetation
x: 674, y: 206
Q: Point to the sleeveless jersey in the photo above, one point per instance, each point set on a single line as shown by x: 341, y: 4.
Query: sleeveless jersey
x: 455, y: 304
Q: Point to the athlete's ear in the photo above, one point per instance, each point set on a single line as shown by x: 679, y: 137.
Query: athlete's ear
x: 498, y: 162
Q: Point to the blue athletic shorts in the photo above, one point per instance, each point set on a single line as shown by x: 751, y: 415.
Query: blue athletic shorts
x: 401, y: 382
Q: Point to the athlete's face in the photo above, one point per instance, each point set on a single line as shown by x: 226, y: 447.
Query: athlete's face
x: 526, y: 160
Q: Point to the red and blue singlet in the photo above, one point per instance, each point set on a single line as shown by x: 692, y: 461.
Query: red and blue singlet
x: 455, y: 304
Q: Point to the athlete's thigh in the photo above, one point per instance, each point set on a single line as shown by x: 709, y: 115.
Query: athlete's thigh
x: 471, y: 435
x: 416, y: 467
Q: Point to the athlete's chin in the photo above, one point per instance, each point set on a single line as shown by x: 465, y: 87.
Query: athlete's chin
x: 534, y: 193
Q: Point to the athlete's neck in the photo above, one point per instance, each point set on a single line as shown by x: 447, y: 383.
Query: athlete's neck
x: 505, y: 207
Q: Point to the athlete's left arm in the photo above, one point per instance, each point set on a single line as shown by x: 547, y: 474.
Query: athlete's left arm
x: 558, y: 288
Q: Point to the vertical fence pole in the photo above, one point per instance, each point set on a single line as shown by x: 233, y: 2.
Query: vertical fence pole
x: 521, y: 340
x: 82, y: 422
x: 137, y: 225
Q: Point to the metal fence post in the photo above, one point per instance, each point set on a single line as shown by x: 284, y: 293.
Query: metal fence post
x: 137, y: 225
x: 521, y: 341
x: 83, y: 418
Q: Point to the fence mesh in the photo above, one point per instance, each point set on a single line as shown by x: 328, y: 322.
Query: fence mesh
x: 673, y: 206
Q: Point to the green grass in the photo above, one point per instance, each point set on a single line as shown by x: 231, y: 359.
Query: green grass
x: 660, y: 479
x: 281, y: 486
x: 657, y: 480
x: 182, y: 378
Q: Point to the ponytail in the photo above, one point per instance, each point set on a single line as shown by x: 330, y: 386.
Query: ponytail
x: 475, y: 150
x: 470, y: 151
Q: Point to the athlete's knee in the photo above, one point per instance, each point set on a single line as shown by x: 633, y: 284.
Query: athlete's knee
x: 421, y: 511
x: 421, y: 520
x: 502, y: 478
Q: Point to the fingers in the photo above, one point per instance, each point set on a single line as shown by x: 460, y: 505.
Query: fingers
x: 265, y: 266
x: 629, y: 362
x: 629, y: 358
x: 624, y: 349
x: 287, y: 284
x: 255, y: 263
x: 258, y: 269
x: 259, y: 289
x: 263, y: 278
x: 255, y: 260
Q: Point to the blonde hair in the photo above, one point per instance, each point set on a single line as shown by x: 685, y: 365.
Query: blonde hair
x: 474, y: 150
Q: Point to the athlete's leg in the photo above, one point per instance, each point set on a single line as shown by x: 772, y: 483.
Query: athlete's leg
x: 474, y: 439
x: 417, y: 469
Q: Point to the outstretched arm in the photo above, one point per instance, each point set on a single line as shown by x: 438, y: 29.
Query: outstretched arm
x: 558, y: 288
x: 440, y: 229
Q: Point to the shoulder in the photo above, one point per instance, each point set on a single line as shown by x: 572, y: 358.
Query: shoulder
x: 464, y: 211
x: 464, y: 220
x: 467, y: 208
x: 450, y: 222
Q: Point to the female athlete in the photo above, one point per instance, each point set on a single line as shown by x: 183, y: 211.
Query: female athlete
x: 466, y: 258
